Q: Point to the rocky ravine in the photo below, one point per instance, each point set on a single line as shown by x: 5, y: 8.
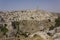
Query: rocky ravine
x: 27, y: 23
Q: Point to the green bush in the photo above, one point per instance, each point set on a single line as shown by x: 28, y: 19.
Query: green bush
x: 15, y: 24
x: 57, y: 22
x: 4, y: 30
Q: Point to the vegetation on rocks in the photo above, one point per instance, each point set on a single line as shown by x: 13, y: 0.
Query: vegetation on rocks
x: 15, y: 25
x: 57, y: 24
x: 3, y: 29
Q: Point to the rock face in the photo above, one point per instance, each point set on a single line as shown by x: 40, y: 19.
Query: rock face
x: 28, y: 20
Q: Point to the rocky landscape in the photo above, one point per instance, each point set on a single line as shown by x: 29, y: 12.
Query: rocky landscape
x: 29, y: 25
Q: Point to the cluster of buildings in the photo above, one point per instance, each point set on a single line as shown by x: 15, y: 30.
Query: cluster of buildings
x: 30, y: 20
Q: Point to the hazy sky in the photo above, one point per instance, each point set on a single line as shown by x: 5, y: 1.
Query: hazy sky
x: 50, y: 5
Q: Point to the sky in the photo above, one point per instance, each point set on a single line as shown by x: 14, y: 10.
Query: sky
x: 49, y: 5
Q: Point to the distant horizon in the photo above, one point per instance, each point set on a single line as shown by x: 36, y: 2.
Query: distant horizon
x: 26, y: 9
x: 47, y: 5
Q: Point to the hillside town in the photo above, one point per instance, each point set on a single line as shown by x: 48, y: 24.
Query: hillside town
x: 29, y: 25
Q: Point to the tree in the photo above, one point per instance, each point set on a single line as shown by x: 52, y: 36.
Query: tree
x: 4, y: 29
x: 57, y: 22
x: 15, y: 25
